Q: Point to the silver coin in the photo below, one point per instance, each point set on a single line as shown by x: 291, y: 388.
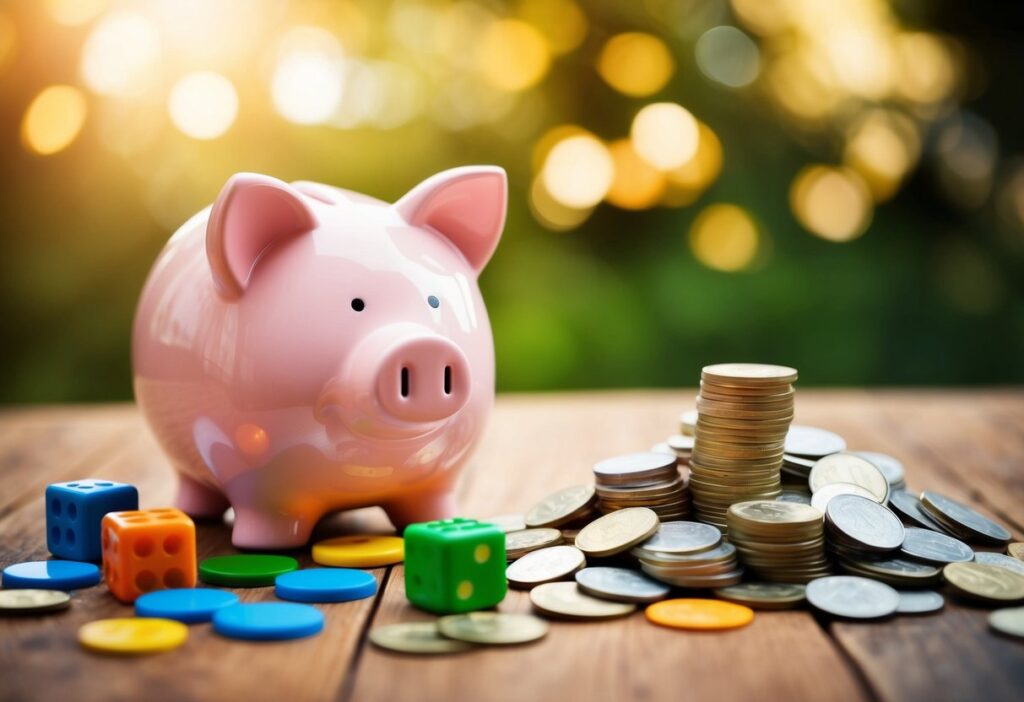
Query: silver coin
x: 1000, y: 561
x: 822, y: 497
x: 682, y: 537
x: 908, y: 507
x: 662, y: 447
x: 919, y: 602
x: 801, y: 498
x: 1009, y: 621
x: 852, y: 597
x: 620, y: 584
x: 636, y: 464
x: 812, y: 441
x: 891, y: 467
x: 899, y: 568
x: 545, y: 565
x: 931, y: 546
x: 973, y: 523
x: 764, y: 595
x: 25, y: 601
x: 722, y: 552
x: 865, y: 522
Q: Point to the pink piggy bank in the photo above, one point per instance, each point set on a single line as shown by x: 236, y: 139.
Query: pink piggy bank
x: 300, y: 349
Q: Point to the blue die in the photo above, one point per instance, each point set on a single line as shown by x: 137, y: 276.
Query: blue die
x: 74, y: 511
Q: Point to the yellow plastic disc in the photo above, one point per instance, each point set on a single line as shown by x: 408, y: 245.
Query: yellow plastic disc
x: 359, y: 551
x: 705, y: 615
x: 132, y: 635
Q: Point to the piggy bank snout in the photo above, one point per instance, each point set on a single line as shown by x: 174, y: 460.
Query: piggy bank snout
x: 423, y: 379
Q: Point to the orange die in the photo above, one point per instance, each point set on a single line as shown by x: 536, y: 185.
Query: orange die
x: 149, y: 549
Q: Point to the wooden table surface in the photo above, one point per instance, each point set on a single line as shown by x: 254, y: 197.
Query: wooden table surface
x: 969, y: 445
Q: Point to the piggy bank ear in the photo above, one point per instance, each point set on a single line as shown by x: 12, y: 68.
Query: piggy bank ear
x: 464, y: 205
x: 251, y: 214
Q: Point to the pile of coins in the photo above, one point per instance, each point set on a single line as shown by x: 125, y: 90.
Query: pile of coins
x: 649, y: 480
x: 689, y: 554
x: 781, y: 542
x: 744, y: 411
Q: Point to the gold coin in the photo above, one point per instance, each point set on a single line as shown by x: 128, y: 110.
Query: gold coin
x: 29, y: 600
x: 565, y: 600
x: 1016, y: 550
x: 774, y: 515
x: 561, y: 507
x: 688, y: 422
x: 985, y: 582
x: 519, y: 543
x: 848, y: 468
x: 617, y: 531
x: 704, y: 615
x: 492, y: 627
x: 416, y: 637
x: 545, y: 565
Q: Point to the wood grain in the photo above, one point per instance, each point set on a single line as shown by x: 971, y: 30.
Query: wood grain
x: 969, y: 445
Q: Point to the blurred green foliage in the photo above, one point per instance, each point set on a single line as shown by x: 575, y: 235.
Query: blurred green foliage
x: 931, y: 294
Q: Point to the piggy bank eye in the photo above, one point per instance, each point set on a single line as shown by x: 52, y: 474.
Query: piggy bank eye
x: 357, y: 304
x: 433, y: 302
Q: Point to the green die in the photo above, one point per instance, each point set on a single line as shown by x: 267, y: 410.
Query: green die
x: 454, y: 565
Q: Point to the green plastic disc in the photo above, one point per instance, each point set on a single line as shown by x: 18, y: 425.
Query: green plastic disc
x: 245, y: 570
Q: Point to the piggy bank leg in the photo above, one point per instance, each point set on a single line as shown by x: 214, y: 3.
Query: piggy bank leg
x: 421, y: 508
x: 260, y: 529
x: 198, y: 500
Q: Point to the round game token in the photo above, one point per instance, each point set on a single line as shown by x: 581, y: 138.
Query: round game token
x: 245, y: 570
x: 268, y: 621
x: 704, y: 615
x: 359, y: 551
x: 188, y: 605
x: 325, y: 585
x: 26, y: 601
x: 51, y: 575
x: 132, y: 635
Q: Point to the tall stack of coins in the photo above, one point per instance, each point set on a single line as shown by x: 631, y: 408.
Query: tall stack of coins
x: 642, y: 480
x: 779, y: 541
x: 744, y: 411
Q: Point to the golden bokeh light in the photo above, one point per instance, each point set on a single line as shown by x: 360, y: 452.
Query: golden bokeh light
x: 832, y: 203
x: 927, y: 70
x: 636, y: 64
x: 551, y: 213
x: 728, y: 56
x: 120, y: 54
x: 764, y: 17
x: 203, y: 105
x: 578, y: 171
x: 53, y: 119
x: 802, y: 87
x: 724, y: 237
x: 512, y: 55
x: 548, y: 141
x: 562, y: 22
x: 307, y: 84
x: 636, y: 185
x: 665, y: 135
x: 883, y: 146
x: 73, y: 13
x: 686, y: 183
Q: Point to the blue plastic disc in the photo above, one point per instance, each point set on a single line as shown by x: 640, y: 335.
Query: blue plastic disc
x: 268, y: 621
x: 51, y: 575
x: 325, y: 585
x: 188, y: 605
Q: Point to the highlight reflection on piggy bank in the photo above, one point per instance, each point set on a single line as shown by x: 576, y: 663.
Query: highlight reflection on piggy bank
x: 300, y: 349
